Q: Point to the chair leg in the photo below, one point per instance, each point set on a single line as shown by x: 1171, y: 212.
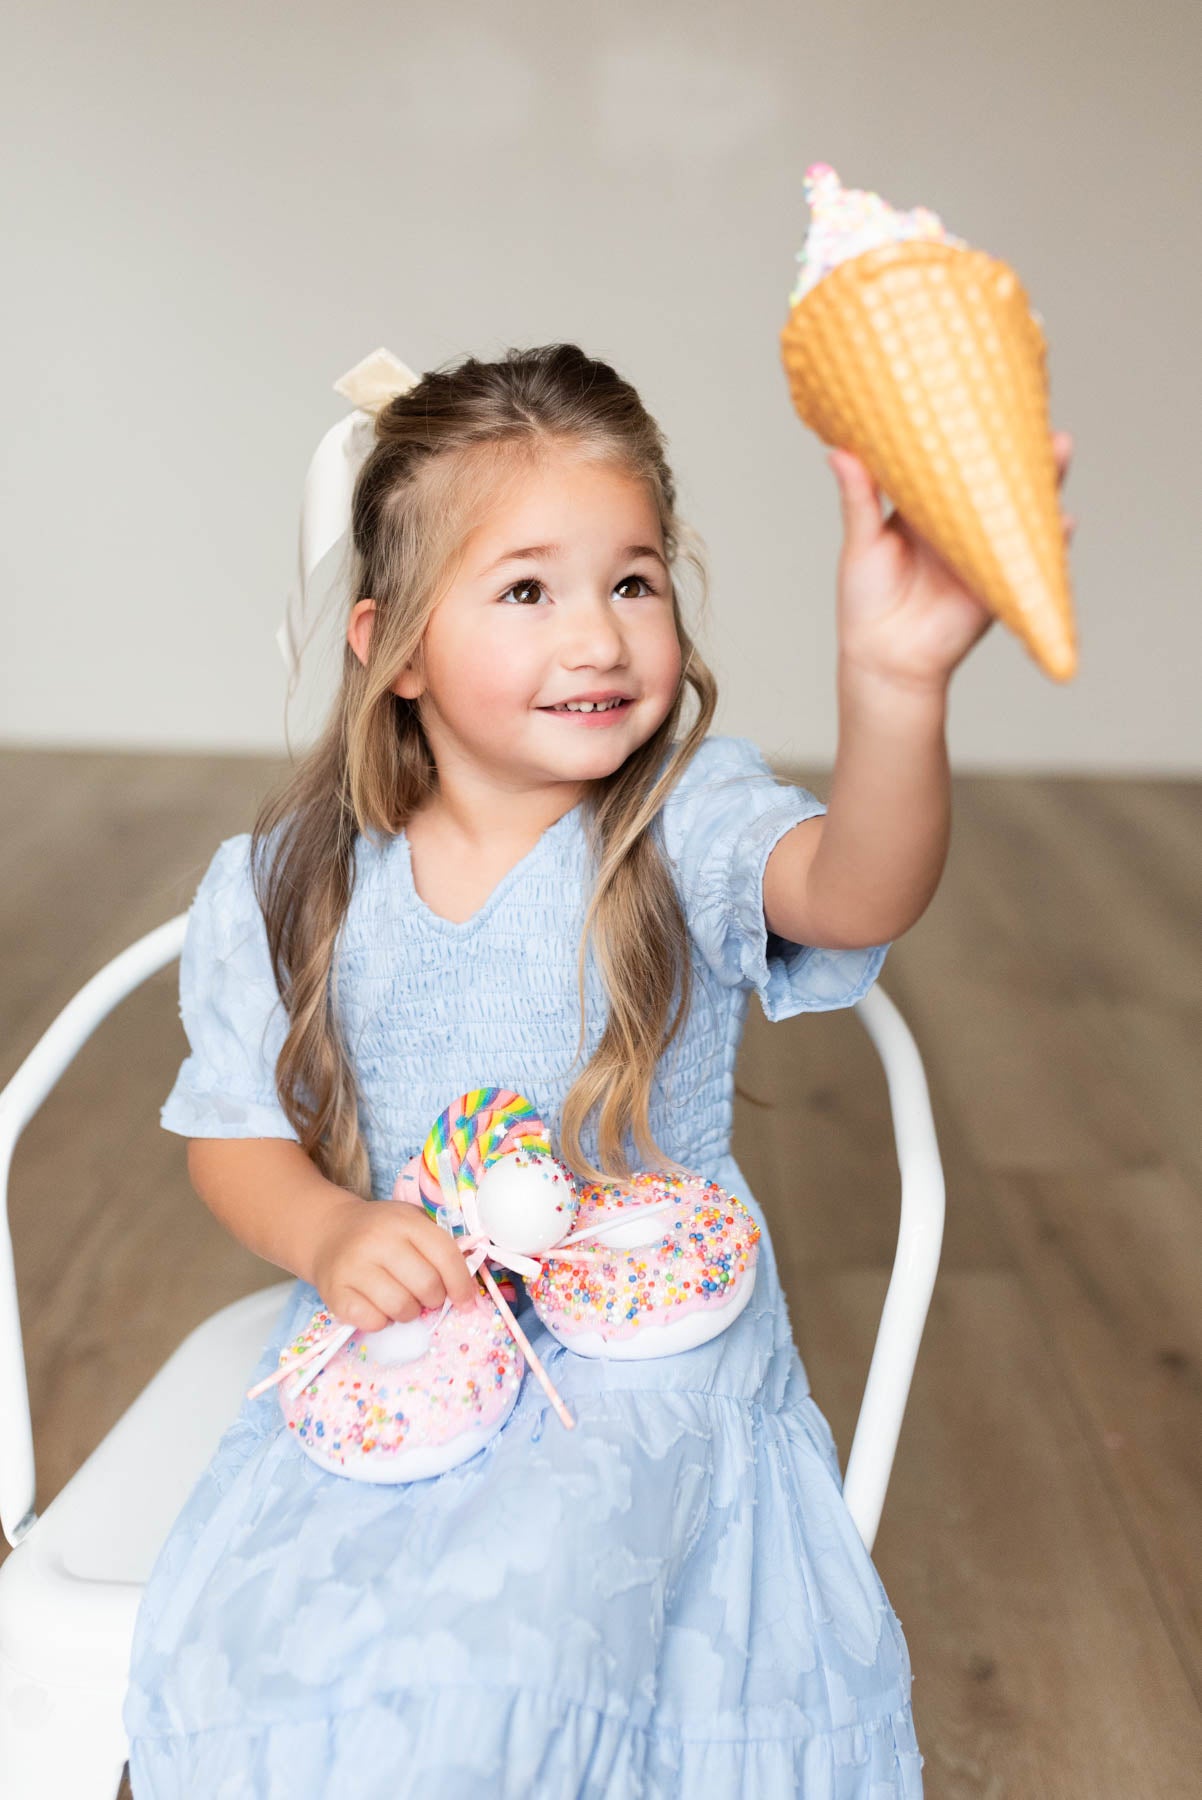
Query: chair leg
x: 60, y: 1743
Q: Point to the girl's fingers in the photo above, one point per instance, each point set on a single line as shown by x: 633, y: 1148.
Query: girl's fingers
x: 364, y: 1314
x: 452, y: 1272
x: 423, y: 1277
x: 859, y: 497
x: 396, y: 1301
x: 1062, y: 453
x: 403, y: 1287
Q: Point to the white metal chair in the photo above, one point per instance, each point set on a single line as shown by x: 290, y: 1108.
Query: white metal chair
x: 70, y: 1587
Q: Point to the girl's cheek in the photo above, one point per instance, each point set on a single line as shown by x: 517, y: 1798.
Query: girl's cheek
x: 668, y: 666
x: 492, y: 697
x: 476, y: 674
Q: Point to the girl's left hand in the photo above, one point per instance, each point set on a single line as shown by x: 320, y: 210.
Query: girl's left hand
x: 903, y: 615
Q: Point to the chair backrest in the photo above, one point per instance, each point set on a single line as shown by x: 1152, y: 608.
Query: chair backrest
x: 24, y: 1093
x: 915, y: 1264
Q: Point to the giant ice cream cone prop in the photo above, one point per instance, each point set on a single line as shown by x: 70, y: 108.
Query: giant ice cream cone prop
x: 923, y: 357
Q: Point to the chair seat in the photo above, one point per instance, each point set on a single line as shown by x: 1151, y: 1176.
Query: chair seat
x: 69, y: 1592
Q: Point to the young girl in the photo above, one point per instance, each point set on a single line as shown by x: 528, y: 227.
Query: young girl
x: 465, y: 884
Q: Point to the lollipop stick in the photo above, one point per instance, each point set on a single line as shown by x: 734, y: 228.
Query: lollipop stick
x: 288, y: 1368
x: 261, y: 1387
x: 523, y: 1341
x: 324, y: 1349
x: 444, y: 1162
x: 333, y: 1345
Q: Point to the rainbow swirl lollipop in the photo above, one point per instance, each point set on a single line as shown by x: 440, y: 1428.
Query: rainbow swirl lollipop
x: 470, y: 1135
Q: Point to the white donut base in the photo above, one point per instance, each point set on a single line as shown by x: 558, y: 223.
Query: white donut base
x: 694, y: 1328
x: 417, y: 1464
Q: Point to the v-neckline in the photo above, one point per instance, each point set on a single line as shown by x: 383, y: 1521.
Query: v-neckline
x: 453, y: 927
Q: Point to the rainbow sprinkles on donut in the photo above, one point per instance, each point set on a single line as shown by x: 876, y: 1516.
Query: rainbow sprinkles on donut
x: 651, y: 1266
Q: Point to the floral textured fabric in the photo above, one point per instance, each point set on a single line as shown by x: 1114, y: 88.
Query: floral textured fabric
x: 670, y: 1600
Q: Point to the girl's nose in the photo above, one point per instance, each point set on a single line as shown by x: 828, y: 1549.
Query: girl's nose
x: 592, y: 637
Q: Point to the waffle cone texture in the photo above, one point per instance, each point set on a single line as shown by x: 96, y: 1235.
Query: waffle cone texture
x: 925, y: 361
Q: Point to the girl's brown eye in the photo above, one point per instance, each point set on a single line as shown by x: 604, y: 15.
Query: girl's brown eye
x: 531, y: 583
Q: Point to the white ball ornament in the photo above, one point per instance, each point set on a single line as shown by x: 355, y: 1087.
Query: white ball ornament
x: 401, y: 1341
x: 527, y: 1201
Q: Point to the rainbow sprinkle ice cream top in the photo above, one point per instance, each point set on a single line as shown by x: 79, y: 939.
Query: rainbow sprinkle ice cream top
x: 847, y: 221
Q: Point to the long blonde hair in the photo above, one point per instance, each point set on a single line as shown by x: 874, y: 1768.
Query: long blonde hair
x: 439, y: 454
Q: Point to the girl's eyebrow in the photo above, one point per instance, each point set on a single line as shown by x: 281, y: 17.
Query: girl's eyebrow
x: 553, y: 550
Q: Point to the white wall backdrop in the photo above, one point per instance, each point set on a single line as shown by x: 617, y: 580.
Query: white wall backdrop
x: 210, y: 212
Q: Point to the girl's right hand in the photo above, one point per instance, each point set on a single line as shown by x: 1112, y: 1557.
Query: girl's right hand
x: 379, y: 1261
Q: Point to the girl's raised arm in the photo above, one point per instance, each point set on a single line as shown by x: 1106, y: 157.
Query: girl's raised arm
x: 868, y: 870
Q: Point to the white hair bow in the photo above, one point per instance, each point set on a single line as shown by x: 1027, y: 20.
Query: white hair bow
x: 330, y: 483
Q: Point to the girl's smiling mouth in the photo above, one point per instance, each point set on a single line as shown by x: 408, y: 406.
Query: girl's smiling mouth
x: 602, y: 712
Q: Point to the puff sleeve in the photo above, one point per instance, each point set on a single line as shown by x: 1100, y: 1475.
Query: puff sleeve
x: 719, y: 825
x: 231, y: 1011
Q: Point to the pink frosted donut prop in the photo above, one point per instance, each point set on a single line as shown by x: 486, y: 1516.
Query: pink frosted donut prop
x: 650, y: 1286
x: 408, y: 1401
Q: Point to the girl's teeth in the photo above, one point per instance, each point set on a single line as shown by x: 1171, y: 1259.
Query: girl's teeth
x: 589, y: 706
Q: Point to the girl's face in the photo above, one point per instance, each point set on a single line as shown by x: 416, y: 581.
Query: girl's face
x: 562, y: 594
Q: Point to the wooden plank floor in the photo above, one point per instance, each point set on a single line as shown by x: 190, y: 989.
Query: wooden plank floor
x: 1039, y: 1539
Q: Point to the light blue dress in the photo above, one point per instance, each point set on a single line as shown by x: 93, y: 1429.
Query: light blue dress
x: 670, y: 1600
